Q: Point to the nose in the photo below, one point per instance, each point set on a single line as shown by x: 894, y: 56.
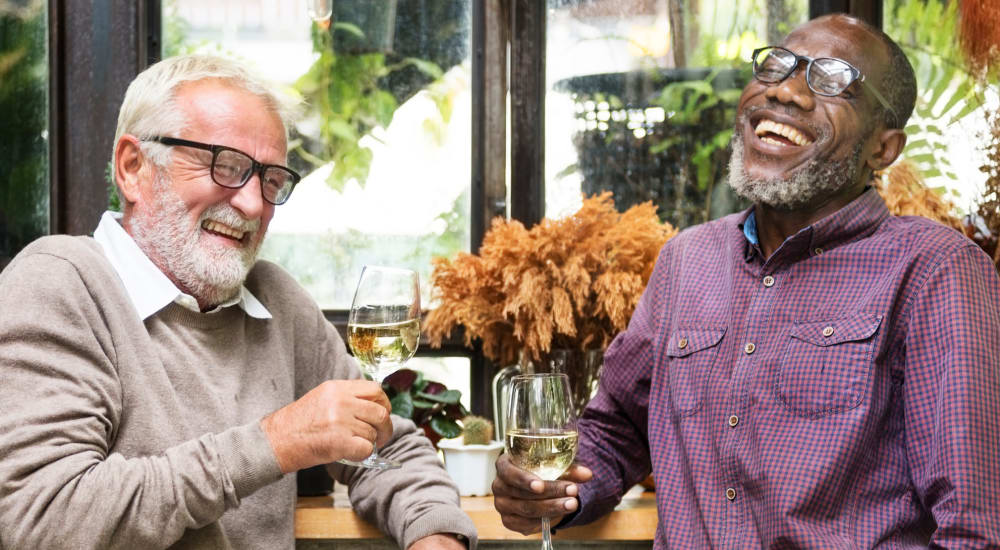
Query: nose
x: 793, y: 90
x: 249, y: 200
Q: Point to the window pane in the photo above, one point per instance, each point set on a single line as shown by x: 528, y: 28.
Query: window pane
x: 945, y: 132
x: 384, y: 146
x: 645, y: 108
x: 453, y: 372
x: 24, y: 109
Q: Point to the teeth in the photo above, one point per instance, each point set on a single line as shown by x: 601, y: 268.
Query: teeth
x: 784, y: 130
x: 224, y: 229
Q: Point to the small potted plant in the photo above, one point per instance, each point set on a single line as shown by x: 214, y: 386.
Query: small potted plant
x: 430, y: 405
x: 471, y: 459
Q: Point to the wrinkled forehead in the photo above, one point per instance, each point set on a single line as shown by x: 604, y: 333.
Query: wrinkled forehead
x: 842, y: 38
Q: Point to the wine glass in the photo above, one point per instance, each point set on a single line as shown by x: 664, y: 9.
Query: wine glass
x: 383, y: 330
x: 541, y: 429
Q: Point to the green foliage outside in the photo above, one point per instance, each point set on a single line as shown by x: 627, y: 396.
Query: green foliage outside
x: 346, y: 92
x: 947, y: 92
x: 24, y: 158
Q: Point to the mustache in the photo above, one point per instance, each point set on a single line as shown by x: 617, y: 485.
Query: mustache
x: 228, y: 215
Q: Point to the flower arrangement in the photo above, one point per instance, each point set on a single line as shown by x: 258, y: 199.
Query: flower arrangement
x: 906, y: 194
x: 568, y: 283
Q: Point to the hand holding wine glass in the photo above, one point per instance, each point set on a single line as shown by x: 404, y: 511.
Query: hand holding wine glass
x: 383, y: 329
x: 541, y: 431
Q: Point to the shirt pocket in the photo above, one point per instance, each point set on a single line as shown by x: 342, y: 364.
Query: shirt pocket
x: 827, y: 365
x: 691, y: 353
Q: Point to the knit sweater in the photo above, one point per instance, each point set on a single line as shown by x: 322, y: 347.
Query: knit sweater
x: 122, y: 433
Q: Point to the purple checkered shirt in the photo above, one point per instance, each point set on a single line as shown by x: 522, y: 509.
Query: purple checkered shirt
x: 844, y: 393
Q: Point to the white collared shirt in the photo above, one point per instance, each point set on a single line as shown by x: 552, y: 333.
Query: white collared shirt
x: 148, y: 288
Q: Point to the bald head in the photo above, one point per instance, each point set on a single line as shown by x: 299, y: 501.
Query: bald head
x: 898, y: 84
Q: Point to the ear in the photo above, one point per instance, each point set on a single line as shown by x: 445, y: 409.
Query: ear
x: 129, y: 164
x: 889, y: 144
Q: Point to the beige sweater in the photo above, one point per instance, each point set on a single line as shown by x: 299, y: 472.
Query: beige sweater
x: 119, y: 433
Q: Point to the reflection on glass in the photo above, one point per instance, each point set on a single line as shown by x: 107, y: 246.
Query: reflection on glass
x: 384, y: 141
x: 644, y: 98
x: 320, y: 10
x: 24, y: 159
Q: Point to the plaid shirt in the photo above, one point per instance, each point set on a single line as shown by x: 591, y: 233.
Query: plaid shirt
x: 844, y: 393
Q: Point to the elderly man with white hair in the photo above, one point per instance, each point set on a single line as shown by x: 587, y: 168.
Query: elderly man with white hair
x: 159, y: 382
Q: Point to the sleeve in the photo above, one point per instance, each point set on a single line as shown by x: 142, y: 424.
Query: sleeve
x: 408, y: 503
x: 951, y: 388
x: 613, y: 429
x: 60, y: 407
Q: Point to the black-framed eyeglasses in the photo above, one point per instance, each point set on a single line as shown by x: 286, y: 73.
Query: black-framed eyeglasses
x: 827, y: 76
x: 232, y: 168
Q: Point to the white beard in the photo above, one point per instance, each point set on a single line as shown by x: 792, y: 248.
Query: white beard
x: 211, y: 272
x: 815, y: 179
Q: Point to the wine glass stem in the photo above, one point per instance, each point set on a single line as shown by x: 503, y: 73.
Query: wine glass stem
x: 546, y: 535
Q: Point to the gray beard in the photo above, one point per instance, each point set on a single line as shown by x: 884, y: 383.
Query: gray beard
x: 817, y: 178
x: 212, y: 274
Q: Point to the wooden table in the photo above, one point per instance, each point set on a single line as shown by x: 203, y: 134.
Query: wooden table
x: 633, y: 519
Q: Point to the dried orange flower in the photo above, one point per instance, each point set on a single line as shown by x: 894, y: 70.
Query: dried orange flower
x: 569, y: 283
x: 906, y: 194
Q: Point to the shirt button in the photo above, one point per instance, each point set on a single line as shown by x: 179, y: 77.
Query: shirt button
x: 731, y: 493
x: 749, y: 348
x: 682, y: 343
x: 733, y: 421
x: 769, y: 281
x: 818, y: 251
x: 828, y: 331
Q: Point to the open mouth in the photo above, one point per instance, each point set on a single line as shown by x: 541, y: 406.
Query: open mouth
x: 222, y: 230
x: 780, y: 134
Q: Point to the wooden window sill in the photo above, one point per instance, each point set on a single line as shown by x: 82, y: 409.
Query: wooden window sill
x: 633, y: 519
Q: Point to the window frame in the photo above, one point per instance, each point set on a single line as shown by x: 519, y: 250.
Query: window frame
x: 97, y: 48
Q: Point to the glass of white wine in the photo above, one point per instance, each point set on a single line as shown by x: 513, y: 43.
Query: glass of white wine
x: 383, y: 330
x: 541, y: 429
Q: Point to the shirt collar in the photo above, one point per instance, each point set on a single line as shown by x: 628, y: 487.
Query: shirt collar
x: 148, y: 288
x: 854, y: 221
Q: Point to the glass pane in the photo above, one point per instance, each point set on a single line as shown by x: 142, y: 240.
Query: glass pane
x: 24, y: 109
x: 946, y: 131
x: 642, y: 95
x: 384, y: 143
x: 453, y: 372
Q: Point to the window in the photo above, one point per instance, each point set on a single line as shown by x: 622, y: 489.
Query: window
x: 384, y: 143
x: 24, y: 150
x: 641, y: 98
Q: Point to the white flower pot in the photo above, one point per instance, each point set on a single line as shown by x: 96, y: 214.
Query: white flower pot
x: 472, y: 467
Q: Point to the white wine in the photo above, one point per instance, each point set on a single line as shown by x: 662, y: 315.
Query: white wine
x: 545, y: 453
x: 383, y: 348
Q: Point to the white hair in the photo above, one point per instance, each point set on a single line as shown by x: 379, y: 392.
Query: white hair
x: 150, y: 105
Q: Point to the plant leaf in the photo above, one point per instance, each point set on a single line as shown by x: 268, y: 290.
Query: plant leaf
x: 402, y: 405
x: 448, y: 396
x: 446, y: 427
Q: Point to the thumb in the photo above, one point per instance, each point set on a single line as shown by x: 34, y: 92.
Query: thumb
x: 578, y: 473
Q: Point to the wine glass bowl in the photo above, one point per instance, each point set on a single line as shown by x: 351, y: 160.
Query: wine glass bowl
x: 541, y: 429
x: 383, y: 329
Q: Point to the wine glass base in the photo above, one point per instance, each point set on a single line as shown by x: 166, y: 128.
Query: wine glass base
x: 375, y: 463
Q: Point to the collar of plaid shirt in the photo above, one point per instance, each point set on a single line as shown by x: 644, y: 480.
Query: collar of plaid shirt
x: 842, y: 393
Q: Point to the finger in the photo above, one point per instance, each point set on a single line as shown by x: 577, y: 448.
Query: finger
x: 578, y: 473
x: 516, y: 477
x: 537, y: 509
x: 524, y: 484
x: 373, y: 414
x: 521, y: 524
x: 358, y: 448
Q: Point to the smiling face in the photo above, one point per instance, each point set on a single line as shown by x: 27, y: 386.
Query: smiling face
x: 794, y: 149
x: 205, y: 237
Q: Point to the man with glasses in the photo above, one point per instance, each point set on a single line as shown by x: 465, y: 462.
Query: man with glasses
x: 811, y: 372
x: 159, y: 383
